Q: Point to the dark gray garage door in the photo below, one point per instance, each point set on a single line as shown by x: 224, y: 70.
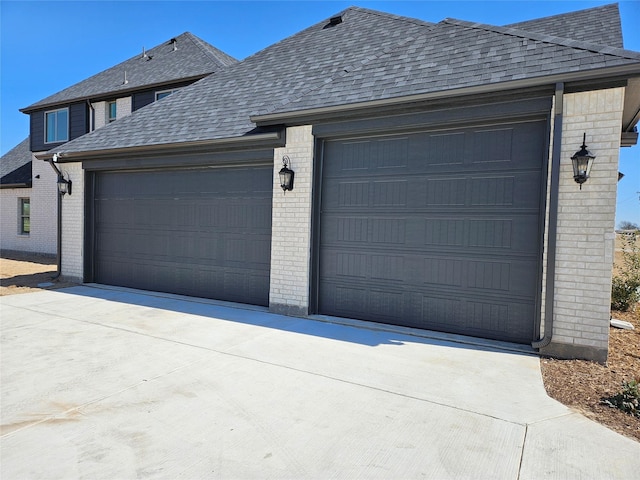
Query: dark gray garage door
x: 437, y: 230
x: 204, y: 233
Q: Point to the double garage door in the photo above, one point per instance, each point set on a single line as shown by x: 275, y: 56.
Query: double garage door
x: 205, y: 233
x: 437, y: 230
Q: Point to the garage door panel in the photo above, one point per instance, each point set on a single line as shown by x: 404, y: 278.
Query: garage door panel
x: 448, y: 239
x: 431, y: 310
x: 462, y: 273
x: 514, y: 235
x: 197, y: 232
x: 497, y: 191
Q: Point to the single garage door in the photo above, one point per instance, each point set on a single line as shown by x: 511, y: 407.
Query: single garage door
x: 205, y: 233
x: 437, y: 230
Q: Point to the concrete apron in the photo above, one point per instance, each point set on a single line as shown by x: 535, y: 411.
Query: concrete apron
x: 114, y: 383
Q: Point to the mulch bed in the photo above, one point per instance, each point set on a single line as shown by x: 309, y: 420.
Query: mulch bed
x: 582, y: 385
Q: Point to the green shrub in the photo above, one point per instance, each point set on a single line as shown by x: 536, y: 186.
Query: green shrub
x: 628, y: 400
x: 625, y: 287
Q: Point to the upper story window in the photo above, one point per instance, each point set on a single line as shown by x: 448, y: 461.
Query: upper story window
x: 24, y: 216
x: 165, y: 93
x: 112, y: 111
x: 57, y: 125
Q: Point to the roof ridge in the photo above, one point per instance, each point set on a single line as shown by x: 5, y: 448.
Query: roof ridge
x: 548, y: 17
x: 362, y: 63
x: 402, y: 18
x: 565, y: 42
x: 210, y: 51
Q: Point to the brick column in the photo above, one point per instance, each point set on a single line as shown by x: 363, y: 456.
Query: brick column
x: 73, y: 223
x: 291, y: 226
x: 586, y: 221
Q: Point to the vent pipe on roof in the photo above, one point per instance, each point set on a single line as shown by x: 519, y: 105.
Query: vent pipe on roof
x: 174, y: 44
x: 125, y: 81
x: 144, y: 53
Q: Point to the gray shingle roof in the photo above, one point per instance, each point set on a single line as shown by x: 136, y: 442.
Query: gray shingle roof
x: 369, y: 56
x: 193, y: 58
x: 15, y: 165
x: 600, y: 25
x: 221, y: 107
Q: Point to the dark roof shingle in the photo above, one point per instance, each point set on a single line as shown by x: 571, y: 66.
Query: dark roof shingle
x: 15, y: 165
x: 193, y: 58
x: 599, y: 25
x: 369, y: 56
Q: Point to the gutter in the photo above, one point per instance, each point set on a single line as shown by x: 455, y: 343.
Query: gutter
x: 169, y: 148
x: 16, y: 185
x: 59, y: 222
x: 98, y: 96
x: 92, y: 115
x: 553, y: 220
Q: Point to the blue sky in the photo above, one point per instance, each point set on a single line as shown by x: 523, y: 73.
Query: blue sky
x: 47, y: 46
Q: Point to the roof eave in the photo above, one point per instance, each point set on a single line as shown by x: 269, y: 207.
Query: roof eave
x: 16, y: 185
x: 244, y: 142
x: 279, y: 118
x: 35, y: 107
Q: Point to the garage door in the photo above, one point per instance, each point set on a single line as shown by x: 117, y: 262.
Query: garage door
x: 437, y: 230
x: 205, y: 233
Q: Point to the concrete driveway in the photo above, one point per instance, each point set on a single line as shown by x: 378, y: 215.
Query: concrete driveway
x: 117, y: 384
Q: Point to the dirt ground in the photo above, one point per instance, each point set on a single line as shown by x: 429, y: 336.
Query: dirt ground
x: 576, y: 383
x: 23, y: 273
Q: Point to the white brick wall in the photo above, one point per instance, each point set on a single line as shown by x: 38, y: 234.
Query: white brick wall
x: 291, y: 226
x: 99, y: 114
x: 584, y: 253
x: 42, y: 195
x: 123, y: 109
x: 73, y: 222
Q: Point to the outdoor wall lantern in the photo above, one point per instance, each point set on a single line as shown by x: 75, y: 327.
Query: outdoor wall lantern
x: 582, y: 161
x: 64, y: 186
x: 286, y: 175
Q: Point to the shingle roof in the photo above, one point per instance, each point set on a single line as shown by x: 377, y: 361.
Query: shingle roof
x: 15, y: 165
x: 600, y: 25
x: 435, y: 62
x: 369, y: 56
x: 193, y: 58
x: 221, y: 107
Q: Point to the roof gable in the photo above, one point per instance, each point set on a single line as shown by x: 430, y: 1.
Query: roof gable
x: 15, y: 165
x: 192, y: 57
x: 599, y: 25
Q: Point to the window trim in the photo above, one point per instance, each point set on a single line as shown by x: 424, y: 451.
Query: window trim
x: 168, y: 92
x: 111, y: 119
x: 22, y: 201
x: 46, y: 126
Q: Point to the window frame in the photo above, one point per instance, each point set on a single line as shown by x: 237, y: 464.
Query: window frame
x: 167, y: 92
x: 22, y: 201
x: 46, y: 125
x: 111, y: 119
